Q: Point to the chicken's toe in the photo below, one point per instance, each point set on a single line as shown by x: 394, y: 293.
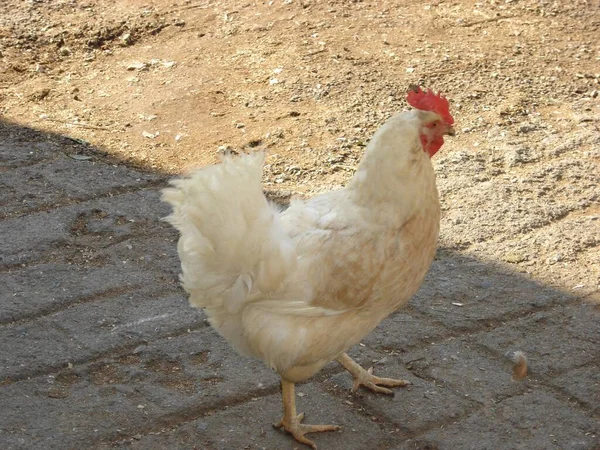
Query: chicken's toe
x: 371, y: 385
x: 298, y: 430
x: 366, y: 378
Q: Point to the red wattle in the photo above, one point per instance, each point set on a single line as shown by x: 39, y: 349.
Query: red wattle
x: 432, y: 147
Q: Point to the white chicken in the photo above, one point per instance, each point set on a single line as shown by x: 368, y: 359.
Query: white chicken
x: 297, y: 288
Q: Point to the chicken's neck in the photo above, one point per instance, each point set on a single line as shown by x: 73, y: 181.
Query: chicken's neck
x: 386, y: 186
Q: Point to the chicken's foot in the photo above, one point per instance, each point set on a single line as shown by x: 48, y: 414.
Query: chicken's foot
x: 366, y: 378
x: 291, y: 421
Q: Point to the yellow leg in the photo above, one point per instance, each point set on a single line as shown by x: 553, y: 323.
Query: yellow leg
x: 291, y: 421
x: 366, y: 378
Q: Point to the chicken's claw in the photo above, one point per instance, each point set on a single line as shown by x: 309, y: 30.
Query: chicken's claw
x: 366, y: 378
x: 298, y: 430
x: 290, y: 421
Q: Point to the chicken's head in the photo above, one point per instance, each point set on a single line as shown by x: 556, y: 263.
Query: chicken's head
x: 435, y: 126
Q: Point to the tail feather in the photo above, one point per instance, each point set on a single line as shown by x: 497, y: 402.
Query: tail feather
x: 232, y: 245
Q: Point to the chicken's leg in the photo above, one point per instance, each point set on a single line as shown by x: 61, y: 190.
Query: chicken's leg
x: 291, y: 421
x: 366, y: 378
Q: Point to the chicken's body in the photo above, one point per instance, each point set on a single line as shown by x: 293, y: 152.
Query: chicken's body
x: 298, y: 288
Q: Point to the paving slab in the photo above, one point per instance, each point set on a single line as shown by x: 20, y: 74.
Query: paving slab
x: 533, y: 420
x: 33, y: 236
x: 455, y: 363
x: 412, y: 408
x: 92, y: 329
x: 31, y: 347
x: 465, y: 294
x: 14, y: 154
x: 582, y: 384
x: 554, y: 341
x: 60, y: 181
x: 141, y: 389
x: 44, y: 288
x: 404, y: 330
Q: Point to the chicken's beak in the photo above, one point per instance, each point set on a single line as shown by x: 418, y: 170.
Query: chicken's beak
x: 450, y: 131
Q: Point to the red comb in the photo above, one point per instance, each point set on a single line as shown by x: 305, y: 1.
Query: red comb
x: 429, y: 101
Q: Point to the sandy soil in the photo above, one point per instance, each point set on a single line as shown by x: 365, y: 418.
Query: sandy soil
x: 165, y: 85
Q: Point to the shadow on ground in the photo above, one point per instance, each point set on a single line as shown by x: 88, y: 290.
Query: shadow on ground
x: 99, y: 348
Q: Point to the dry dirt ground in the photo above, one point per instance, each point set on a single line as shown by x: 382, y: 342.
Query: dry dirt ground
x: 165, y: 85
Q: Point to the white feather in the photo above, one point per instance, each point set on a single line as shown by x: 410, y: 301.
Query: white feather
x: 231, y: 246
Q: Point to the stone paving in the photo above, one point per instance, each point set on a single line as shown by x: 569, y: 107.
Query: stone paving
x: 99, y: 348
